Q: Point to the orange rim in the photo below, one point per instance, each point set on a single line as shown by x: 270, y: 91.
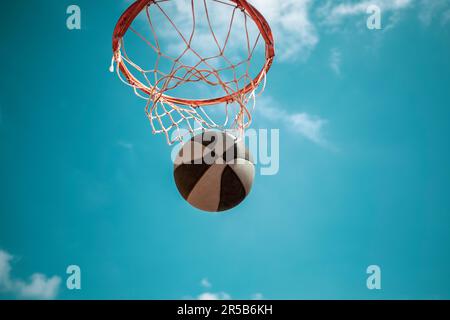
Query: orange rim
x: 133, y: 11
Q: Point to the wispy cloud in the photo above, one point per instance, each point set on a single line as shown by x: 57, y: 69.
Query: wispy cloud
x: 296, y: 24
x: 257, y: 296
x: 220, y: 295
x: 290, y: 21
x: 5, y: 270
x: 205, y: 283
x: 125, y: 144
x: 94, y: 193
x: 332, y: 13
x: 446, y: 17
x: 335, y: 61
x: 38, y: 287
x: 308, y: 126
x: 211, y: 295
x: 432, y: 9
x: 214, y: 296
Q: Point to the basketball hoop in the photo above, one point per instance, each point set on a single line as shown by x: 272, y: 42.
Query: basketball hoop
x: 196, y: 60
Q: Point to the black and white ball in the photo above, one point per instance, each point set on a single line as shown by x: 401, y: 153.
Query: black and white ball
x: 214, y: 172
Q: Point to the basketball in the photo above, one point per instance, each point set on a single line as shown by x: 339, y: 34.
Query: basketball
x: 213, y: 172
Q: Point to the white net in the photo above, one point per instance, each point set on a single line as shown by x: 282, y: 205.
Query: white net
x: 209, y: 51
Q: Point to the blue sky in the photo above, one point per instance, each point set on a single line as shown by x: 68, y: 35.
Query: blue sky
x: 364, y: 153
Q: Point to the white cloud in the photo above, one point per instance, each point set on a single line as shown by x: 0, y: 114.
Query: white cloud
x: 214, y: 296
x: 39, y: 286
x: 309, y: 126
x: 205, y: 283
x: 295, y: 34
x: 334, y: 14
x: 126, y: 145
x: 335, y: 61
x: 431, y: 9
x: 446, y: 17
x: 211, y: 295
x: 257, y: 296
x: 293, y: 30
x: 5, y: 270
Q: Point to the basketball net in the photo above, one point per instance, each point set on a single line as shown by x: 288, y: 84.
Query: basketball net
x: 230, y: 81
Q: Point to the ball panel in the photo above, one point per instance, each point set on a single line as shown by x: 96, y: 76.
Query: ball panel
x: 187, y: 176
x: 232, y: 191
x: 247, y: 155
x: 206, y: 194
x: 245, y: 171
